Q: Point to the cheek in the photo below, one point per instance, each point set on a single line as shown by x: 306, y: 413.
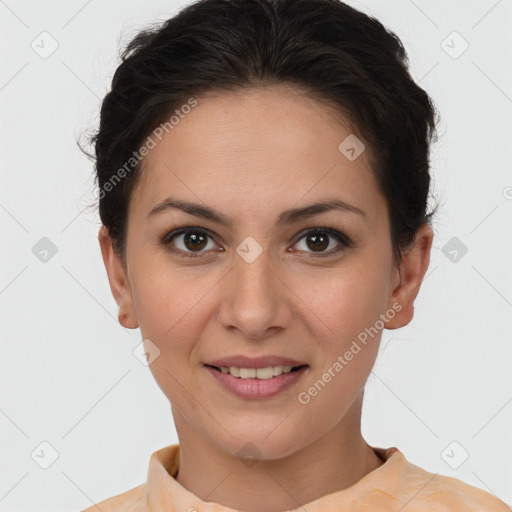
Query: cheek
x: 344, y: 303
x: 173, y: 312
x: 174, y: 308
x: 347, y: 309
x: 171, y: 302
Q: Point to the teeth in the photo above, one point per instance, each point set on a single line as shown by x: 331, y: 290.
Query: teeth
x: 256, y: 373
x: 247, y: 373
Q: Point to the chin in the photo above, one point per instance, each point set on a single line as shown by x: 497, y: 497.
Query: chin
x: 253, y: 445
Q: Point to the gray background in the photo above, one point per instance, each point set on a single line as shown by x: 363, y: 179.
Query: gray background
x: 442, y: 386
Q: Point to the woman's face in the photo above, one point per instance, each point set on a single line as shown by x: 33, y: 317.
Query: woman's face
x: 262, y: 283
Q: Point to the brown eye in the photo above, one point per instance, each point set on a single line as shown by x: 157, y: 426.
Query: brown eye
x: 191, y: 242
x: 188, y: 242
x: 318, y: 240
x: 194, y: 240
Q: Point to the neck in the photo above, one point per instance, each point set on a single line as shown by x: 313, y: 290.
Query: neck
x: 332, y: 463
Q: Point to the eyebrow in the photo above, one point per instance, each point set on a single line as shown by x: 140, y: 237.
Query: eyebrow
x: 286, y: 217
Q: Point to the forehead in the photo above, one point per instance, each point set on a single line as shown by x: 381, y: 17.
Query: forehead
x: 260, y: 149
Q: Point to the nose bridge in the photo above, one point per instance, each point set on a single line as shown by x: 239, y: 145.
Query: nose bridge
x: 253, y: 276
x: 256, y: 299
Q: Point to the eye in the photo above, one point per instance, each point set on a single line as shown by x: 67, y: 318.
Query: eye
x: 193, y: 242
x: 319, y: 239
x: 190, y: 240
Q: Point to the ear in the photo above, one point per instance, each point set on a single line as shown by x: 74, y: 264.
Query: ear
x: 409, y: 276
x: 119, y: 284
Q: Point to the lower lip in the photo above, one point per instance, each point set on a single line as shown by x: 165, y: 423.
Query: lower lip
x: 257, y: 388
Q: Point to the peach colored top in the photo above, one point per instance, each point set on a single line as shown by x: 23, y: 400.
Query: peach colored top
x: 397, y: 485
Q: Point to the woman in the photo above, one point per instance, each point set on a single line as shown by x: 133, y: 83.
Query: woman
x: 263, y: 173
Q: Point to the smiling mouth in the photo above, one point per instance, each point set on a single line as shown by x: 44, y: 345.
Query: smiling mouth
x: 266, y: 373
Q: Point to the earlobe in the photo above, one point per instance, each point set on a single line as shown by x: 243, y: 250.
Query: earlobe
x: 119, y: 284
x: 412, y: 269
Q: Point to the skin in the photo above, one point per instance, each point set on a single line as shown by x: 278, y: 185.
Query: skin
x: 251, y: 155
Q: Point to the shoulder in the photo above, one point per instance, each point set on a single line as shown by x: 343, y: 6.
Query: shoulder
x: 433, y: 491
x: 448, y: 493
x: 162, y: 463
x: 129, y: 501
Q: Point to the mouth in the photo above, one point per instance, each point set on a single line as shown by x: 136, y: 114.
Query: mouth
x: 257, y: 383
x: 264, y: 373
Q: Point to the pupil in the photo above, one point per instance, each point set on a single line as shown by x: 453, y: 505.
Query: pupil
x: 195, y: 239
x: 319, y: 241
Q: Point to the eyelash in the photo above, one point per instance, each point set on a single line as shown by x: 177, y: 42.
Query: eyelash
x: 344, y: 241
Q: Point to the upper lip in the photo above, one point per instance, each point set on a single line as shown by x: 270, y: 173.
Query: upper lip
x: 254, y: 362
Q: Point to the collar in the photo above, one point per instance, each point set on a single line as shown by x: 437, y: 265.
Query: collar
x: 163, y: 492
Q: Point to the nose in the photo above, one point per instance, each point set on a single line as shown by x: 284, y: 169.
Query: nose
x: 255, y: 299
